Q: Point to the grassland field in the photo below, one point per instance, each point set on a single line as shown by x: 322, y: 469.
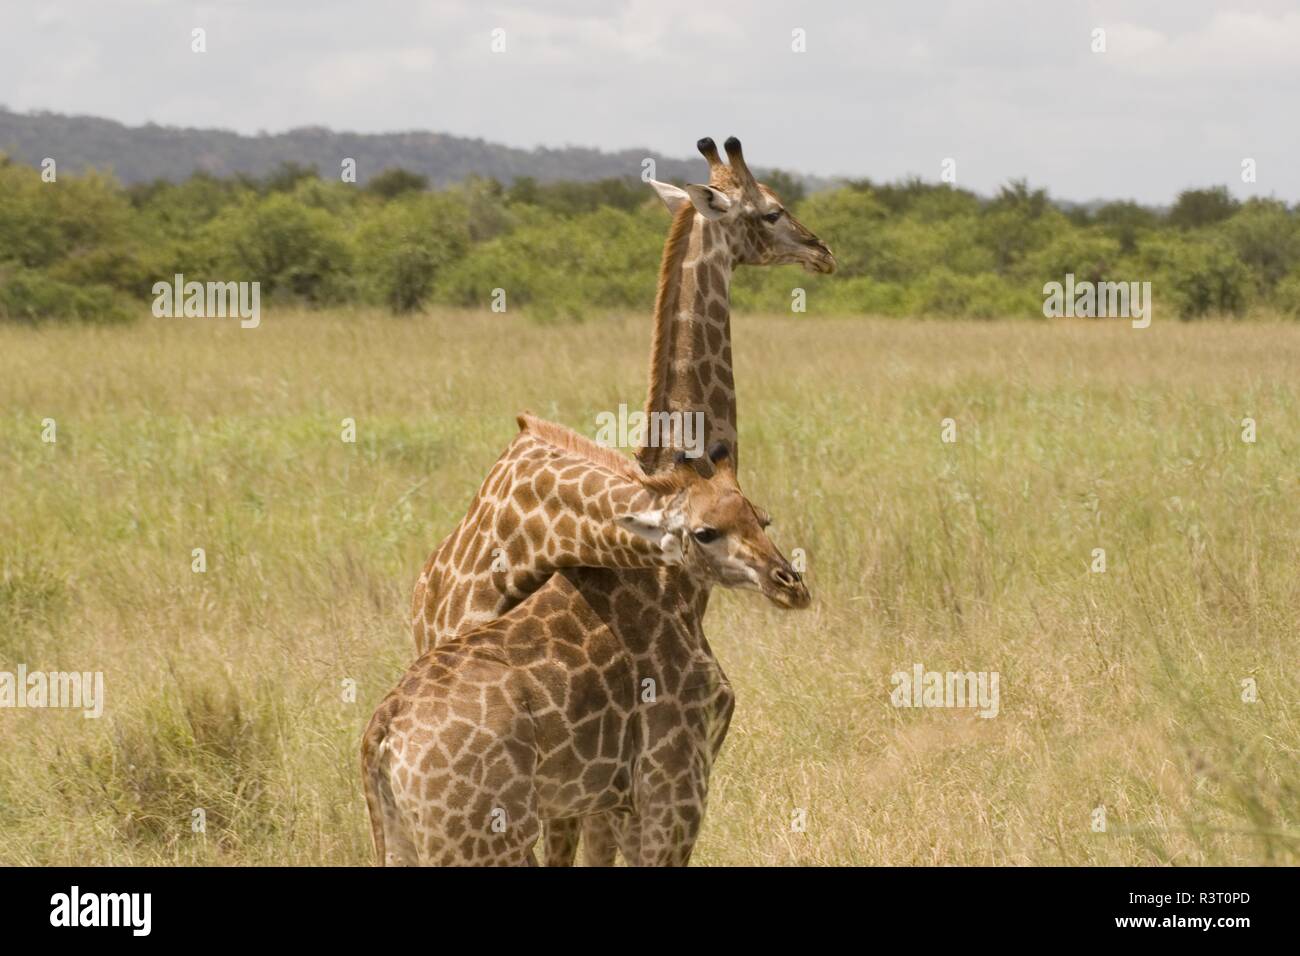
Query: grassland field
x: 226, y: 690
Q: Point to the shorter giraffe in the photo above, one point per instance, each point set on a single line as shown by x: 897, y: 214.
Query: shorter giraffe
x: 547, y: 505
x: 535, y: 715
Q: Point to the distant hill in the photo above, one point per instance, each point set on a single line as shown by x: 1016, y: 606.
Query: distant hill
x: 144, y: 153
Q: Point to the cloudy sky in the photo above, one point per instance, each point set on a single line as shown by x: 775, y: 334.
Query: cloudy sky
x: 1183, y: 92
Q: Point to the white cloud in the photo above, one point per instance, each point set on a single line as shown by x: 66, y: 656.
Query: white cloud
x: 1245, y: 44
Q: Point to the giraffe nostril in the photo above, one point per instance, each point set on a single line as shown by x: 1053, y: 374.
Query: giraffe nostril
x: 785, y: 577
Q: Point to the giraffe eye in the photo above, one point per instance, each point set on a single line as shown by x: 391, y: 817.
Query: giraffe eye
x: 706, y: 535
x: 773, y: 216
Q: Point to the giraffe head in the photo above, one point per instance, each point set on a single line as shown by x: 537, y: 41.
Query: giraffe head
x: 714, y: 532
x: 749, y: 216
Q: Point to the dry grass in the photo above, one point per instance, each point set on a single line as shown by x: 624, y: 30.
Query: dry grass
x: 224, y: 689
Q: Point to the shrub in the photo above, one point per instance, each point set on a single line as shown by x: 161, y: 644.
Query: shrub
x: 1206, y: 277
x: 392, y: 183
x: 1266, y: 238
x: 404, y: 245
x: 292, y: 249
x: 605, y: 259
x: 41, y: 223
x: 1089, y: 254
x: 1287, y: 296
x: 1018, y: 221
x: 1196, y: 208
x: 27, y: 295
x: 983, y: 296
x: 1126, y: 223
x: 210, y: 745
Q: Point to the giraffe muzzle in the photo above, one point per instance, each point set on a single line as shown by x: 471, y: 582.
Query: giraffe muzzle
x: 788, y: 589
x: 822, y: 260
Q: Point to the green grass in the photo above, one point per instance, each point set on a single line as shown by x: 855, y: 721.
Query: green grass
x: 225, y: 690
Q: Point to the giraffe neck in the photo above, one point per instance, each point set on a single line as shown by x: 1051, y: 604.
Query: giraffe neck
x: 566, y: 510
x: 690, y: 360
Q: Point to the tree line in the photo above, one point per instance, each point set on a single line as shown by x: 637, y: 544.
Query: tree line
x: 87, y: 247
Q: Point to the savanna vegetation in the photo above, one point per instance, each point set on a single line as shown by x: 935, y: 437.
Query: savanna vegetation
x: 86, y: 247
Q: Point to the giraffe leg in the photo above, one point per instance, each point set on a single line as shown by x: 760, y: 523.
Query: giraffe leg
x: 667, y: 823
x: 599, y: 840
x: 561, y: 841
x: 520, y: 848
x: 665, y: 837
x: 626, y: 831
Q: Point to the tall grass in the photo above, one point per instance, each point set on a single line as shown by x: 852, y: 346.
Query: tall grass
x: 226, y: 691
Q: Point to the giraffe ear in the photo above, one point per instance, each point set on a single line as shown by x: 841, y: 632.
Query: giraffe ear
x: 647, y: 524
x: 674, y: 197
x: 709, y: 202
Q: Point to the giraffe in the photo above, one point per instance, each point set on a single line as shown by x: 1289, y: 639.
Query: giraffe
x: 732, y: 220
x: 541, y: 508
x: 535, y: 714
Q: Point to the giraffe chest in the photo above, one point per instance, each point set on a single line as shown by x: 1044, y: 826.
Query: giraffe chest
x: 686, y: 725
x: 585, y: 733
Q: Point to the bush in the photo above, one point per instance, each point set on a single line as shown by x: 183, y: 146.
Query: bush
x: 984, y: 296
x: 606, y: 259
x: 27, y: 295
x: 1206, y: 277
x: 392, y: 183
x: 1196, y: 208
x: 1089, y: 254
x: 1266, y: 238
x: 41, y: 223
x: 1126, y: 223
x: 1287, y: 298
x: 864, y: 295
x: 1018, y: 221
x: 404, y: 246
x: 292, y: 249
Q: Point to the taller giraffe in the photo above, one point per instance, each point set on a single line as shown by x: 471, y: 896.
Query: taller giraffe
x: 657, y: 615
x: 734, y: 220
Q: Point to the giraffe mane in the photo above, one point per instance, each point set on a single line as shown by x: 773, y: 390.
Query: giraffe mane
x: 666, y: 296
x: 566, y: 439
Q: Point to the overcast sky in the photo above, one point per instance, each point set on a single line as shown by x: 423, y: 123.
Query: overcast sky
x: 1182, y: 94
